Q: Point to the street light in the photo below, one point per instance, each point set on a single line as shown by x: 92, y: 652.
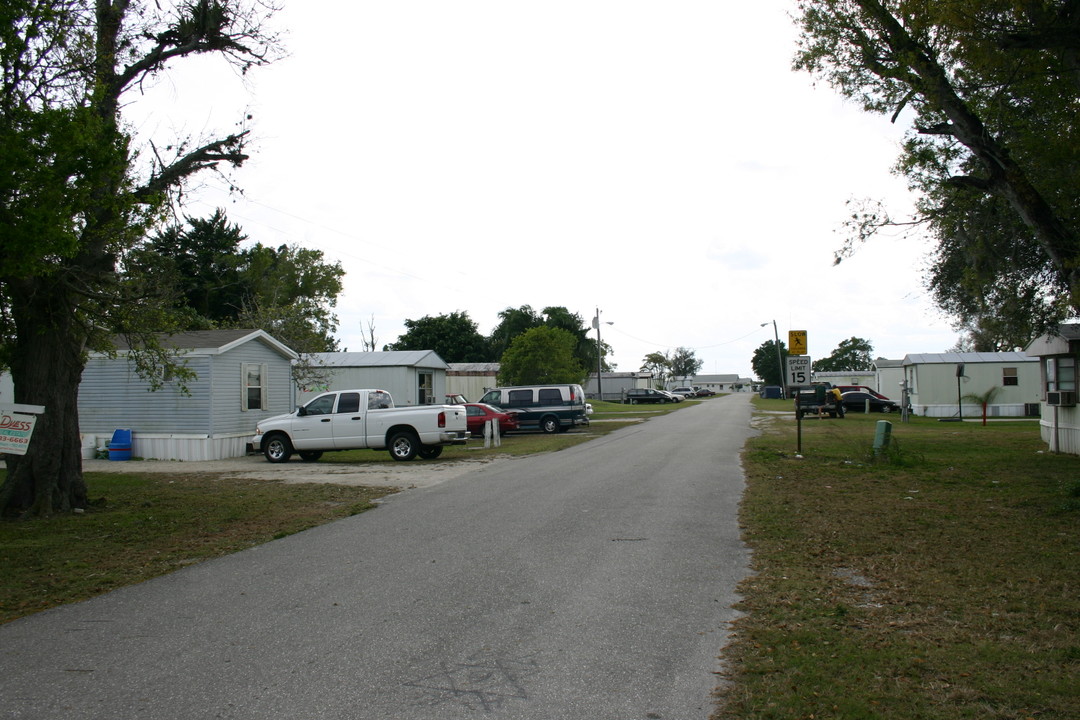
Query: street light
x: 599, y: 355
x: 779, y: 358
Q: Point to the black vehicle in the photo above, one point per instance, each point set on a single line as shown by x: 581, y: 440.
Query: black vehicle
x: 646, y: 395
x: 855, y: 401
x: 815, y: 399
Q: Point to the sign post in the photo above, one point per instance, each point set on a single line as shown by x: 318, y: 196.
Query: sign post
x: 798, y: 373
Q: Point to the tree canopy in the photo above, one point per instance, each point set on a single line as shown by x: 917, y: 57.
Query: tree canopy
x: 683, y: 363
x: 852, y: 354
x: 658, y: 364
x: 288, y: 291
x: 766, y: 364
x: 541, y: 355
x: 454, y: 337
x: 77, y: 192
x: 991, y: 87
x: 514, y: 322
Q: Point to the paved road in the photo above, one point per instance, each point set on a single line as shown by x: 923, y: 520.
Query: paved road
x: 592, y: 583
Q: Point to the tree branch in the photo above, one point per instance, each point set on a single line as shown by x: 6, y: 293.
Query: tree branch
x: 971, y: 183
x: 228, y: 149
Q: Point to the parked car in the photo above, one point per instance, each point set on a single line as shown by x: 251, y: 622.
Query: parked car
x: 646, y: 395
x: 861, y: 388
x: 704, y: 392
x: 479, y: 414
x: 672, y: 396
x: 549, y: 408
x: 686, y: 392
x: 855, y: 401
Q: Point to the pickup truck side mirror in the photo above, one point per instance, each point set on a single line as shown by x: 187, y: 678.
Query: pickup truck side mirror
x: 301, y: 411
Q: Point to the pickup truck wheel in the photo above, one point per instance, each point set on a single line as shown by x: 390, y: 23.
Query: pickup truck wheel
x: 404, y: 445
x: 549, y: 424
x: 277, y: 448
x: 430, y: 452
x: 310, y: 455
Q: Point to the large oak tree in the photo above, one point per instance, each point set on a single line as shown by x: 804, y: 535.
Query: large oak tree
x: 76, y: 193
x: 852, y: 355
x: 991, y: 89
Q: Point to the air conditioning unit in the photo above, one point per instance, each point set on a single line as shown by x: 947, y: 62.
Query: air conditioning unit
x: 1063, y: 398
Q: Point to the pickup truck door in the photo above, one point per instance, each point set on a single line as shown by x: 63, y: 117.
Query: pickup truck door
x: 314, y: 428
x: 348, y: 422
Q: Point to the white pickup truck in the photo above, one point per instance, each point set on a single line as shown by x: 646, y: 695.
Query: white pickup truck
x: 358, y: 419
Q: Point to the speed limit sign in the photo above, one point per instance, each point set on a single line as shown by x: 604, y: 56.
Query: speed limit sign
x: 798, y: 369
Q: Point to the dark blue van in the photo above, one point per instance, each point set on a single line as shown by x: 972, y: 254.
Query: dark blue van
x: 550, y: 408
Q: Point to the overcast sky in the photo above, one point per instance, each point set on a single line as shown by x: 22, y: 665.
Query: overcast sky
x: 658, y: 161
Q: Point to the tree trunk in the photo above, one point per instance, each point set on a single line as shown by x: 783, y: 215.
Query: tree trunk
x: 46, y: 370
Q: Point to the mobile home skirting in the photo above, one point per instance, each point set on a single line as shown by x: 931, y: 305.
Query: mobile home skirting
x: 163, y: 446
x: 972, y: 410
x: 1060, y: 429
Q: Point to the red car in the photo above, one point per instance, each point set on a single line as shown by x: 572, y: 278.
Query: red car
x: 861, y: 388
x: 476, y: 414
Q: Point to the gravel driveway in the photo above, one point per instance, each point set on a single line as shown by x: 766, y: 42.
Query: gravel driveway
x: 416, y: 473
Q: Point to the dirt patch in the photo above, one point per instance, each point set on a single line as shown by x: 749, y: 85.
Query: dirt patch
x: 417, y: 473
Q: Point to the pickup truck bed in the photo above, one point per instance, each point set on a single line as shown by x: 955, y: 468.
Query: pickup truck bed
x: 815, y: 400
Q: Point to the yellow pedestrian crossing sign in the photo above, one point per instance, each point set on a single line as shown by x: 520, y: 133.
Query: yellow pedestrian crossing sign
x: 796, y: 340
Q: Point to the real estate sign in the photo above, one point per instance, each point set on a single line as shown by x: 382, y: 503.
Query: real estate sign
x: 15, y: 431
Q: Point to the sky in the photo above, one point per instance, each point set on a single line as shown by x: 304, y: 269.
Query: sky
x: 659, y: 162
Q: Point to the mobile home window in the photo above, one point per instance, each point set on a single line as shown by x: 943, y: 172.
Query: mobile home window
x: 1009, y: 377
x: 1066, y: 373
x: 254, y: 386
x: 1060, y: 373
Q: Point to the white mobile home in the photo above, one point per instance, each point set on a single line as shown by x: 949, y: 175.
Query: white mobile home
x: 471, y: 379
x: 722, y: 383
x: 848, y: 377
x: 412, y: 377
x: 241, y: 377
x: 889, y: 376
x: 940, y: 384
x: 614, y: 384
x: 1059, y: 421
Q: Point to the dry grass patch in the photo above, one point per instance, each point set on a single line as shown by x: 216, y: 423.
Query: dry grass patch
x: 142, y: 526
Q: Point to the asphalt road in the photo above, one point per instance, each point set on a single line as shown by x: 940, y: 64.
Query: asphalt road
x: 596, y: 582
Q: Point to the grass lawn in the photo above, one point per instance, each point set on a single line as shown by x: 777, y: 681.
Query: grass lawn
x: 940, y: 580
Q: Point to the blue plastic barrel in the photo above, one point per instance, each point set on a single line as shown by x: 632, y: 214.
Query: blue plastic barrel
x: 120, y: 445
